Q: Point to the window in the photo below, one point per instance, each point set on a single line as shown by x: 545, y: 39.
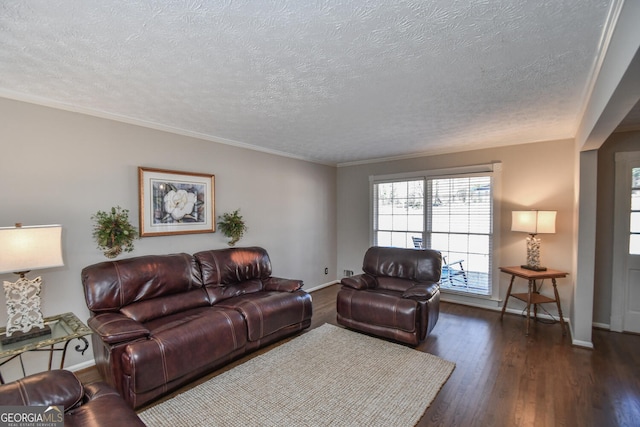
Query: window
x: 634, y: 238
x: 399, y: 212
x: 449, y: 213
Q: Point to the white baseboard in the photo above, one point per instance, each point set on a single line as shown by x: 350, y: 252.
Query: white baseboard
x: 583, y: 344
x: 490, y: 304
x: 580, y: 343
x: 80, y: 366
x: 486, y: 303
x: 540, y: 315
x: 470, y: 300
x: 602, y: 325
x: 322, y: 286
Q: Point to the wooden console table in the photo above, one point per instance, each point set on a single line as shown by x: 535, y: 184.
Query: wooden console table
x: 533, y: 296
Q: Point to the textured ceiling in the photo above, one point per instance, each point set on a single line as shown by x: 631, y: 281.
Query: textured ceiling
x: 327, y: 81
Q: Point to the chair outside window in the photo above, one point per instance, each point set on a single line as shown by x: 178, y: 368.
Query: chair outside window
x: 417, y: 242
x: 448, y: 271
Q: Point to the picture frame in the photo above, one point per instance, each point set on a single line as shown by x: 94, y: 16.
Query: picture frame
x: 174, y: 202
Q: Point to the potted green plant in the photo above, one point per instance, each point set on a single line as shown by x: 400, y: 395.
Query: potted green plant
x: 113, y: 232
x: 232, y: 225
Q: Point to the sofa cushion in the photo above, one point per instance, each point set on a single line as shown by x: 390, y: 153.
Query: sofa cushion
x: 182, y: 343
x: 420, y: 265
x: 378, y: 307
x: 109, y: 286
x: 267, y: 312
x: 222, y: 292
x: 150, y: 309
x: 233, y: 265
x: 394, y: 284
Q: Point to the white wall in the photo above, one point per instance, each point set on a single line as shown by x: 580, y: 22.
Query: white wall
x: 62, y: 167
x: 581, y: 312
x: 534, y: 176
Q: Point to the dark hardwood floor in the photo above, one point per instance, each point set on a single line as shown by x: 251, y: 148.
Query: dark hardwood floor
x: 504, y: 378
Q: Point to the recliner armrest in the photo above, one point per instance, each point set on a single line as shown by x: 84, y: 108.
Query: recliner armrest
x: 421, y: 291
x: 102, y: 407
x: 115, y: 328
x: 283, y: 285
x: 359, y: 281
x: 49, y: 388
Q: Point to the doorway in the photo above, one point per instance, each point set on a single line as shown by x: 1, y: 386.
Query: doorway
x: 625, y: 297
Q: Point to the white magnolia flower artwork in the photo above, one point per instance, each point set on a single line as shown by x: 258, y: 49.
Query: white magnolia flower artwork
x: 173, y: 202
x: 179, y: 203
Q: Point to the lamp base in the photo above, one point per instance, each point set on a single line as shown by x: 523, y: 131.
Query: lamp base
x: 22, y: 336
x: 533, y: 267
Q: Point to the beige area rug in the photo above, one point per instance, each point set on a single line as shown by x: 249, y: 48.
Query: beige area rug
x: 328, y: 376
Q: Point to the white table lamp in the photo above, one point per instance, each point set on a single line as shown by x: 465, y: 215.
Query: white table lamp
x: 23, y: 249
x: 533, y: 222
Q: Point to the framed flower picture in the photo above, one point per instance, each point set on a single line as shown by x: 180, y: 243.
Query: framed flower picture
x: 173, y: 202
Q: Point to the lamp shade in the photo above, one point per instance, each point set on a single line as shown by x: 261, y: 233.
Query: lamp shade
x: 30, y: 248
x: 534, y: 222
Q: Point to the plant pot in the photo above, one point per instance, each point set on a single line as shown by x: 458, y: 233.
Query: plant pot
x: 112, y: 252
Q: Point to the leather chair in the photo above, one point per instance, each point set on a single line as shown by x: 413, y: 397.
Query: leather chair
x: 397, y: 297
x: 95, y: 404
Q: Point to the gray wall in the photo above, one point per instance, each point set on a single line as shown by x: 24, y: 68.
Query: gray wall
x: 618, y: 142
x: 62, y: 167
x: 539, y: 175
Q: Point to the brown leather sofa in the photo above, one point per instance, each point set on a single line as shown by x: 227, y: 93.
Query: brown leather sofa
x: 397, y: 297
x: 95, y: 404
x: 161, y: 321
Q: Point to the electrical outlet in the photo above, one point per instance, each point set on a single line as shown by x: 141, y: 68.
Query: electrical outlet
x: 348, y: 273
x: 326, y: 270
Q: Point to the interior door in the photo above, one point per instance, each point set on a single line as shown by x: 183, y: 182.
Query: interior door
x: 625, y: 309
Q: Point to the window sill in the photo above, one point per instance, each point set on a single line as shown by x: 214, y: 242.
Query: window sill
x: 474, y: 300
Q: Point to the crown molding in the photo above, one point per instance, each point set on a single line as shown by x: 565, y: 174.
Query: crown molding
x: 45, y: 102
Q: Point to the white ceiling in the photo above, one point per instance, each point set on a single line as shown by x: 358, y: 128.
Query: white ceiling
x: 328, y: 81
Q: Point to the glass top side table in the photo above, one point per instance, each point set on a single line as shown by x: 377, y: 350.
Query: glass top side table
x: 64, y: 328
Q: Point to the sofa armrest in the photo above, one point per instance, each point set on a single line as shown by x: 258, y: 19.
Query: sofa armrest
x: 284, y: 285
x: 113, y: 328
x: 421, y: 291
x: 49, y: 388
x: 359, y: 281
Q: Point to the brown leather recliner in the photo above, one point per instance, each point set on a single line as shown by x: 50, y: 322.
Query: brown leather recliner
x: 397, y: 297
x: 95, y: 404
